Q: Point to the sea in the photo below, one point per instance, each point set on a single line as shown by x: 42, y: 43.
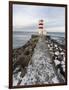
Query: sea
x: 20, y: 38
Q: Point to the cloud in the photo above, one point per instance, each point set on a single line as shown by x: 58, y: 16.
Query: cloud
x: 56, y: 29
x: 26, y: 17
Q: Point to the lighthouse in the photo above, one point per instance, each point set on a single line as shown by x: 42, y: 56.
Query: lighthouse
x: 41, y: 29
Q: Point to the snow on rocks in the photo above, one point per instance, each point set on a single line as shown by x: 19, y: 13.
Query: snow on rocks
x: 48, y: 45
x: 63, y: 66
x: 62, y: 53
x: 56, y: 62
x: 55, y: 45
x: 55, y: 80
x: 62, y: 62
x: 16, y: 78
x: 15, y: 81
x: 57, y: 53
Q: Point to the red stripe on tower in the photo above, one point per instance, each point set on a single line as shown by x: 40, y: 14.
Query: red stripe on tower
x: 40, y: 27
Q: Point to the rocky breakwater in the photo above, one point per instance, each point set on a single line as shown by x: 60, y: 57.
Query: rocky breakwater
x: 39, y: 63
x: 21, y: 59
x: 41, y: 70
x: 57, y: 52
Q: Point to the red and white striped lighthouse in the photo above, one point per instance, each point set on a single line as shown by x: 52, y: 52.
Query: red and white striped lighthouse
x: 40, y: 24
x: 41, y: 27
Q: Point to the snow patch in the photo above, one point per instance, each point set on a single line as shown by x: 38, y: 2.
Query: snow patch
x: 56, y: 62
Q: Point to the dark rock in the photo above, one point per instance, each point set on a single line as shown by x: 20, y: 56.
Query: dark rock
x: 22, y: 61
x: 61, y: 69
x: 60, y: 57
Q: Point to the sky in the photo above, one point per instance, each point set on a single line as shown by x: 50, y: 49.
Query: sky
x: 26, y: 18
